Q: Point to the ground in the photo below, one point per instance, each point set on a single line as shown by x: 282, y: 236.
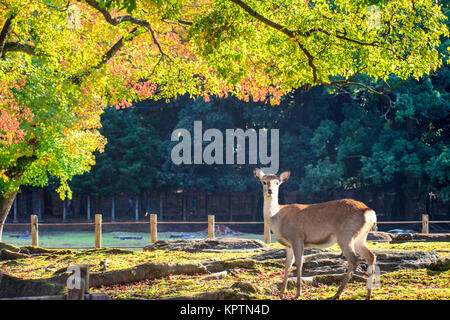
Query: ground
x: 258, y: 281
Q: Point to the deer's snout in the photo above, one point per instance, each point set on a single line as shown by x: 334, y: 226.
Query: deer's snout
x: 269, y: 191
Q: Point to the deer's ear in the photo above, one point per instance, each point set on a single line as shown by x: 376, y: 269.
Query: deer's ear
x: 284, y: 176
x: 258, y: 173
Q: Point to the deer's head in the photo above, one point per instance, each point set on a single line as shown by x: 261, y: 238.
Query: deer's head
x: 270, y: 182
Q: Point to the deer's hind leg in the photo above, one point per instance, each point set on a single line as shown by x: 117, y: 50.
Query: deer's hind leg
x: 349, y: 252
x: 370, y: 258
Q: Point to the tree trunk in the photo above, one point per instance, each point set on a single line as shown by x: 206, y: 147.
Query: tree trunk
x: 113, y: 208
x: 230, y: 209
x: 161, y: 205
x: 206, y: 204
x: 88, y: 207
x: 64, y: 210
x: 39, y: 204
x: 15, y: 212
x: 5, y: 206
x: 183, y: 205
x: 136, y: 212
x: 254, y: 206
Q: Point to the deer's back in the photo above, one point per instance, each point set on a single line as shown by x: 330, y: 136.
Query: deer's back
x: 322, y: 224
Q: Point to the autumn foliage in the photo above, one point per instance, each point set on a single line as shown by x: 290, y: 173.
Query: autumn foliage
x: 62, y: 62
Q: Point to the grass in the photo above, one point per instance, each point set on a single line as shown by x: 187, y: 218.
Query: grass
x: 403, y: 284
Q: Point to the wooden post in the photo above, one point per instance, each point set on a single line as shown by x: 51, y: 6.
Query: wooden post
x: 84, y: 274
x: 266, y: 233
x: 211, y: 226
x: 98, y: 231
x: 425, y: 223
x: 34, y: 230
x: 153, y: 229
x: 77, y: 293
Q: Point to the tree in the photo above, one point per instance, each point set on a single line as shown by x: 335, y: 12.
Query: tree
x: 62, y: 63
x: 130, y: 162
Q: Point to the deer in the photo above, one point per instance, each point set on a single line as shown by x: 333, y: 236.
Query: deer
x: 346, y: 222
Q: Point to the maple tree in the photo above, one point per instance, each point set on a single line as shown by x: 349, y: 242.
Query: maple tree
x: 62, y: 62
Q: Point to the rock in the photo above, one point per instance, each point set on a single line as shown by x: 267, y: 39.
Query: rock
x: 425, y: 237
x: 39, y: 250
x: 11, y: 287
x: 10, y: 247
x: 274, y: 254
x: 442, y: 264
x: 245, y: 286
x: 392, y: 260
x: 402, y: 237
x: 60, y: 271
x: 292, y: 283
x: 335, y: 279
x: 221, y: 230
x: 215, y: 275
x: 105, y: 250
x: 379, y: 236
x: 208, y: 245
x: 6, y: 254
x: 332, y: 262
x: 239, y: 263
x: 318, y: 279
x: 220, y: 294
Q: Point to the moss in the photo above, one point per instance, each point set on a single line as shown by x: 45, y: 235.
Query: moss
x: 14, y: 287
x: 10, y: 247
x: 440, y: 265
x: 246, y: 287
x: 39, y: 250
x: 106, y: 250
x: 6, y: 254
x: 239, y: 263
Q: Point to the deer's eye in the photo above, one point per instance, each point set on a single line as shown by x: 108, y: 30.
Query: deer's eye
x: 264, y: 183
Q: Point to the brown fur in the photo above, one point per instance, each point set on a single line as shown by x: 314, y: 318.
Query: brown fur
x: 339, y: 217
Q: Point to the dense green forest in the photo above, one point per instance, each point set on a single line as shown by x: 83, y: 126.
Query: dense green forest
x: 333, y: 141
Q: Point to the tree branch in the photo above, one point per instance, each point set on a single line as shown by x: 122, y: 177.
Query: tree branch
x: 126, y: 18
x: 309, y: 56
x: 117, y: 20
x: 263, y: 19
x: 114, y: 49
x: 348, y: 82
x: 310, y: 62
x: 4, y: 34
x: 18, y: 47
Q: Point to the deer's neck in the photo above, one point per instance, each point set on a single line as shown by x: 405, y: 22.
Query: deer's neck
x: 271, y: 207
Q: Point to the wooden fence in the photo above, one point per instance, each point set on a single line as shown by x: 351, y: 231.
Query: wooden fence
x: 153, y: 222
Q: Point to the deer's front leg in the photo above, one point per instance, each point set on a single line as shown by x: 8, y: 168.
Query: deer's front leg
x: 298, y: 255
x: 288, y: 265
